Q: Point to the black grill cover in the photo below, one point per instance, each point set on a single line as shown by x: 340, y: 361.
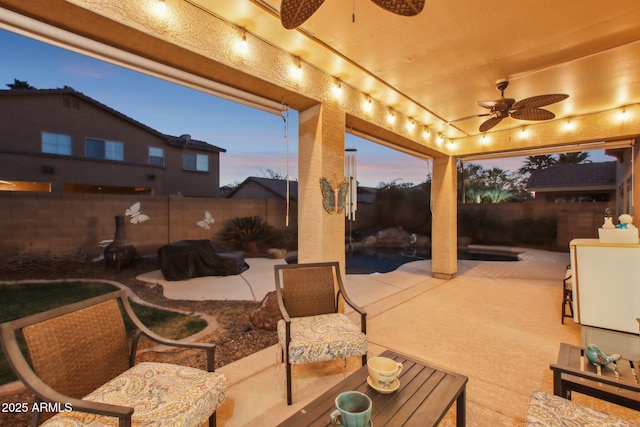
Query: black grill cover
x: 187, y: 259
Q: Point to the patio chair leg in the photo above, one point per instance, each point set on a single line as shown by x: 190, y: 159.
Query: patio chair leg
x: 289, y: 384
x: 364, y: 359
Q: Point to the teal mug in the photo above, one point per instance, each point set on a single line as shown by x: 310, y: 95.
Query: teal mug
x: 353, y: 409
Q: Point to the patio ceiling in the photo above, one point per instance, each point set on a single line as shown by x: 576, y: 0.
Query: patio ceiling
x: 451, y: 55
x: 431, y: 68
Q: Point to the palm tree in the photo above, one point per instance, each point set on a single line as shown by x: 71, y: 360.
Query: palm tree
x: 534, y: 163
x: 19, y: 84
x: 471, y: 182
x: 573, y: 158
x: 498, y: 195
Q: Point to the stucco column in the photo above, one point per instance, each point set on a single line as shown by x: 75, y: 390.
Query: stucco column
x: 444, y: 234
x: 320, y: 154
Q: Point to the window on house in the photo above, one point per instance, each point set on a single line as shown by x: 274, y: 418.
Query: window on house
x: 68, y: 102
x: 156, y: 156
x: 195, y: 162
x: 101, y: 149
x: 55, y: 143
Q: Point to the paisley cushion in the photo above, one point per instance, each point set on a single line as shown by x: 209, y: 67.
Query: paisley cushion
x: 547, y: 410
x: 321, y: 338
x: 162, y: 394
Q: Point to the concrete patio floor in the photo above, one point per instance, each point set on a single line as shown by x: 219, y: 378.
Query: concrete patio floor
x: 496, y: 322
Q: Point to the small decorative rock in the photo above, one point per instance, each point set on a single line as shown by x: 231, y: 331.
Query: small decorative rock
x: 275, y: 253
x: 267, y: 315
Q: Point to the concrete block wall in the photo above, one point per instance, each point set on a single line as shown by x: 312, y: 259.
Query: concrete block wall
x: 65, y: 223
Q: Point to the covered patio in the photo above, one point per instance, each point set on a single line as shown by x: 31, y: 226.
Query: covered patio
x: 496, y: 322
x: 413, y: 84
x: 403, y: 84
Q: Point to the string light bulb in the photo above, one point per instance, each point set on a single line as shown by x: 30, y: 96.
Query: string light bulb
x: 391, y: 117
x: 242, y: 46
x: 569, y: 124
x: 367, y: 106
x: 160, y: 8
x: 296, y: 70
x: 337, y: 89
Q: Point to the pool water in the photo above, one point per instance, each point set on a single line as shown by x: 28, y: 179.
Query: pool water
x: 384, y: 260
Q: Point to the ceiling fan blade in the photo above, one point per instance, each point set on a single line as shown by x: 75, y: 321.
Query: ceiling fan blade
x: 540, y: 100
x: 469, y: 117
x: 532, y: 114
x: 401, y: 7
x: 294, y: 13
x: 485, y: 126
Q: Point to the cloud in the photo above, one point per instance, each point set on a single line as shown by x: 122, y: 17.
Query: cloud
x: 87, y: 71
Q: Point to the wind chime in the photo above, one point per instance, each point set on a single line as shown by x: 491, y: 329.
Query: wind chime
x: 285, y: 118
x: 351, y: 204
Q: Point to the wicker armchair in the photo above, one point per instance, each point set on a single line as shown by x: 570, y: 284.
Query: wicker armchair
x: 312, y: 329
x: 81, y: 362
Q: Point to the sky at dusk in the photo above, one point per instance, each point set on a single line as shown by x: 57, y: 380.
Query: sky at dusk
x: 255, y: 140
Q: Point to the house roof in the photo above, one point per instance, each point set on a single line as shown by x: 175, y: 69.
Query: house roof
x: 279, y: 188
x: 582, y: 176
x: 275, y: 186
x: 171, y: 140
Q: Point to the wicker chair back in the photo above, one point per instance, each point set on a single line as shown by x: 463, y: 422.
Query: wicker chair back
x: 309, y: 291
x: 77, y: 352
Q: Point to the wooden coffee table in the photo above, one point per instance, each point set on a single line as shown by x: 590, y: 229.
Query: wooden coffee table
x: 425, y: 395
x: 573, y: 372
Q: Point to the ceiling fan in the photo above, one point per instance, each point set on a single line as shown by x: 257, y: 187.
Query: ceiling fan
x: 525, y: 109
x: 294, y: 12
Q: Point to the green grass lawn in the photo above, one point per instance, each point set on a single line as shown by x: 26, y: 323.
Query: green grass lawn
x: 29, y: 298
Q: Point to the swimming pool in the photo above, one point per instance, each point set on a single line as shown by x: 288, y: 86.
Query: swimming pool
x: 383, y: 260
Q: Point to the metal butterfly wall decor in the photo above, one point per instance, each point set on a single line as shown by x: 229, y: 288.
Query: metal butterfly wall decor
x: 207, y: 221
x: 334, y: 196
x: 135, y: 214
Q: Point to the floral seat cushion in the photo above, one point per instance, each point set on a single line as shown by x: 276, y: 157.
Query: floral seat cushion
x: 162, y: 394
x: 322, y: 338
x: 547, y: 410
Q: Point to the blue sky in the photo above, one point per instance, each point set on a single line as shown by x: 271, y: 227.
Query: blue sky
x: 255, y: 141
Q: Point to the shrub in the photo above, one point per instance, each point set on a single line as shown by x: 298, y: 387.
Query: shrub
x: 245, y: 232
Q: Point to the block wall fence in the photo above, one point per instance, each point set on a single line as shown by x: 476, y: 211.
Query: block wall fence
x: 64, y: 223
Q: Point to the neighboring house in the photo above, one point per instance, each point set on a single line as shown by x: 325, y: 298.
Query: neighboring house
x: 60, y: 140
x: 585, y: 182
x: 270, y: 188
x: 265, y: 188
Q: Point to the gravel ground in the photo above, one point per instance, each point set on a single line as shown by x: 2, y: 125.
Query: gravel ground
x: 235, y: 337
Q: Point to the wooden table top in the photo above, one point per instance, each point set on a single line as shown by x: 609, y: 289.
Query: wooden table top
x: 425, y: 395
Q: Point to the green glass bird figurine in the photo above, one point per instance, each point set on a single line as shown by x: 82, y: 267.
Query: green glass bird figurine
x: 598, y: 358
